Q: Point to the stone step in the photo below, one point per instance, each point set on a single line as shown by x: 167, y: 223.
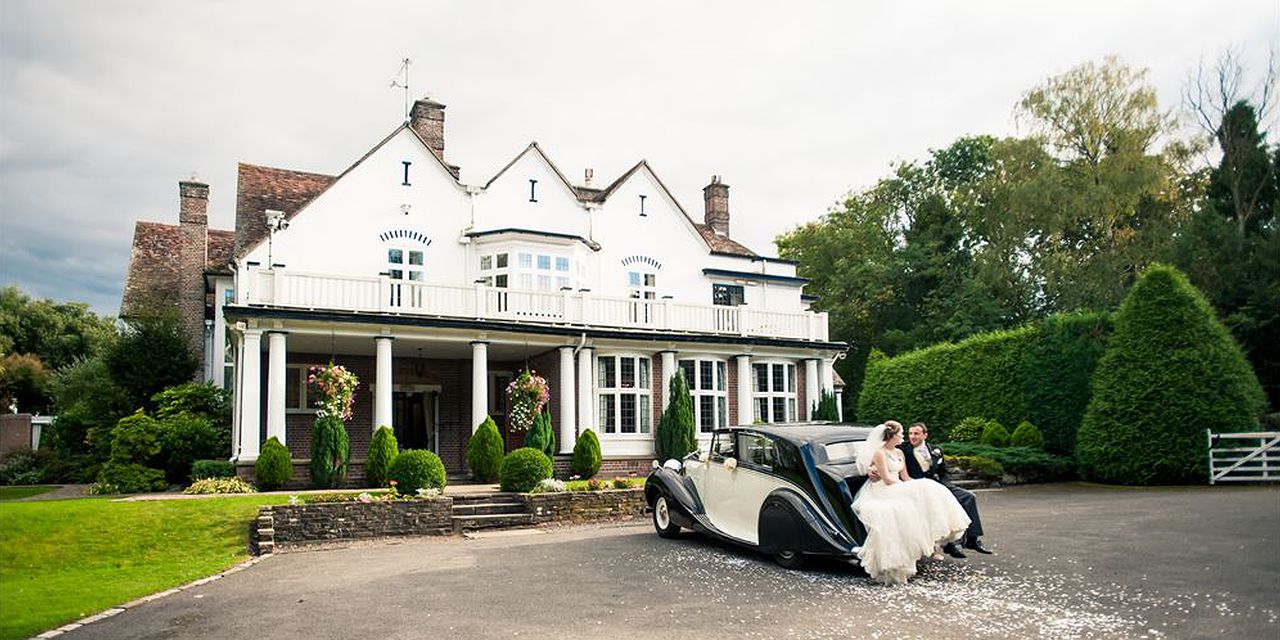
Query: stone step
x: 483, y: 498
x: 474, y: 522
x: 488, y: 508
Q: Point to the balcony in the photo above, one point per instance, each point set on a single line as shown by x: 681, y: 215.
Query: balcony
x: 314, y: 291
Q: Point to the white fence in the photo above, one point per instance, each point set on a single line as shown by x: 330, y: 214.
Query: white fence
x: 314, y: 291
x: 1244, y: 457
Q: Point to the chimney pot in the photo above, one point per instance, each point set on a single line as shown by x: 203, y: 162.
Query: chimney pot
x: 716, y: 198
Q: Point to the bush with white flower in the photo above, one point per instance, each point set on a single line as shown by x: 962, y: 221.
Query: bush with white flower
x: 336, y: 388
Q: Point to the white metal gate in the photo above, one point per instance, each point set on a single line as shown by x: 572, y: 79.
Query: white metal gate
x: 1244, y: 457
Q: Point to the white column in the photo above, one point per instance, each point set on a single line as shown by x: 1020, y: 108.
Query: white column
x: 275, y: 385
x: 250, y: 395
x: 382, y: 383
x: 668, y: 372
x: 568, y: 417
x: 746, y: 407
x: 586, y: 389
x: 811, y: 388
x: 237, y: 344
x: 479, y: 383
x: 826, y: 376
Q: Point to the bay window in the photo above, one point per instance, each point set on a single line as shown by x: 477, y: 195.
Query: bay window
x: 623, y: 389
x: 707, y: 387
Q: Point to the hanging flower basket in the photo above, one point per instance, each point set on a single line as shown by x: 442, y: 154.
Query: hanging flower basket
x: 526, y: 396
x: 336, y: 388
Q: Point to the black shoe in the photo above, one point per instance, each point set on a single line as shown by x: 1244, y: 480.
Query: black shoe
x: 952, y: 550
x: 977, y: 545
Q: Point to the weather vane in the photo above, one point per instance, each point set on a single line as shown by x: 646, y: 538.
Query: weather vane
x: 395, y: 83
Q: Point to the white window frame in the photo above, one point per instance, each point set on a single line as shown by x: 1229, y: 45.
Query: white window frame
x: 717, y: 392
x: 770, y: 395
x: 643, y: 394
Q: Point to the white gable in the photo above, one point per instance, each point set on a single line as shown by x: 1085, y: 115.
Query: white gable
x: 530, y: 194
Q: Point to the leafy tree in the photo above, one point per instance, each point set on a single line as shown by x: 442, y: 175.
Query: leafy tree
x: 1170, y: 369
x: 24, y: 383
x: 150, y: 355
x: 330, y: 452
x: 676, y: 437
x: 58, y: 333
x: 88, y: 403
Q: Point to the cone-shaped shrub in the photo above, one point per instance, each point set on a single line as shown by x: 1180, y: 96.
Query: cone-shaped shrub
x: 484, y: 451
x: 416, y: 469
x: 383, y: 450
x: 274, y: 466
x: 676, y: 437
x: 969, y: 430
x: 330, y: 452
x: 1027, y: 435
x: 1170, y: 370
x: 524, y: 468
x: 586, y: 455
x: 995, y: 435
x: 541, y: 436
x: 825, y: 408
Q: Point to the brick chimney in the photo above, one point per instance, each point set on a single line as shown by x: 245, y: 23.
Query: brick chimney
x: 716, y: 198
x: 427, y: 118
x: 193, y: 222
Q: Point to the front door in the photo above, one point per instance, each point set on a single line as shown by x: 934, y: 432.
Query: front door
x: 413, y: 419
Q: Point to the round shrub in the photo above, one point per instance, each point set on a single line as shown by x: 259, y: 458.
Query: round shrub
x: 969, y: 430
x: 205, y: 469
x: 1170, y: 369
x: 383, y: 450
x: 116, y: 477
x: 995, y: 435
x: 586, y: 455
x: 978, y: 466
x: 417, y: 469
x: 330, y: 452
x: 524, y: 468
x: 1027, y: 435
x: 484, y: 451
x: 274, y: 466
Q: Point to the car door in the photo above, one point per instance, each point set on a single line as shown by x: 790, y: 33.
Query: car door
x: 714, y: 481
x: 749, y: 483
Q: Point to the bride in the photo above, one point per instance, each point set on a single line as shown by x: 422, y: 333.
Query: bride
x: 906, y: 519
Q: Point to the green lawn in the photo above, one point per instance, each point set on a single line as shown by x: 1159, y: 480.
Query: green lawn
x: 18, y: 493
x: 64, y: 559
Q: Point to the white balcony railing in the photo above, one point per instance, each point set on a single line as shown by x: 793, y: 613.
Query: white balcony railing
x: 284, y: 288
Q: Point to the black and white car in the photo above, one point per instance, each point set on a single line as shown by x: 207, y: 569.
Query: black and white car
x: 783, y: 490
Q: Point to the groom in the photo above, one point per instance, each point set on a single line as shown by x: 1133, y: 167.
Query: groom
x: 925, y: 461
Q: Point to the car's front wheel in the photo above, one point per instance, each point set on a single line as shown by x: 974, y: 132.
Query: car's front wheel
x: 788, y: 559
x: 662, y: 518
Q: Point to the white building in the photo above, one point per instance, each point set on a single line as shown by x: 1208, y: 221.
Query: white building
x: 436, y: 293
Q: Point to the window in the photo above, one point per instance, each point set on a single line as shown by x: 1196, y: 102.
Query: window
x: 562, y: 263
x: 526, y: 261
x: 395, y: 256
x: 298, y: 395
x: 774, y: 384
x: 706, y: 379
x: 727, y: 295
x: 401, y: 264
x: 544, y: 263
x: 493, y: 270
x: 625, y: 392
x: 643, y: 285
x: 757, y: 450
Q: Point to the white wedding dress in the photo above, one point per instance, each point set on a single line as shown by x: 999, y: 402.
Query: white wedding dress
x: 905, y: 522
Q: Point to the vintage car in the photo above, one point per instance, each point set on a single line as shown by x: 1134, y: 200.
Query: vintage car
x: 783, y: 490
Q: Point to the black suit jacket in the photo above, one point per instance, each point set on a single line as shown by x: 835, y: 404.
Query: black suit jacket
x: 937, y: 464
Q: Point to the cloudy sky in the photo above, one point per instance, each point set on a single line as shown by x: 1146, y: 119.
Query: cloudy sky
x: 105, y: 106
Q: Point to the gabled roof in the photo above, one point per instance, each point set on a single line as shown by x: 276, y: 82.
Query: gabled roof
x: 534, y: 148
x: 154, y: 261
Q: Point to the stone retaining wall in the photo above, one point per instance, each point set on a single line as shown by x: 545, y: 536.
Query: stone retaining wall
x: 584, y: 506
x: 292, y: 525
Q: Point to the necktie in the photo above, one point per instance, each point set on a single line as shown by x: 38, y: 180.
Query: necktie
x: 922, y: 455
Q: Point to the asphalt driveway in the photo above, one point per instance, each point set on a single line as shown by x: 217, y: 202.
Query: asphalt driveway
x: 1074, y: 561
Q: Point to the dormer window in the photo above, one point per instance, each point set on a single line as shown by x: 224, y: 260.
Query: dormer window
x: 404, y: 264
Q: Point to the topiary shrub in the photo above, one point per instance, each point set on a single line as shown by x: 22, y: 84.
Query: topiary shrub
x: 117, y: 477
x: 995, y: 435
x: 484, y: 451
x: 330, y: 452
x: 676, y: 436
x: 1027, y: 435
x: 383, y: 450
x: 205, y: 469
x: 541, y: 436
x: 274, y: 466
x: 969, y: 430
x: 586, y: 455
x: 1170, y: 369
x: 523, y: 469
x: 417, y: 469
x: 977, y: 466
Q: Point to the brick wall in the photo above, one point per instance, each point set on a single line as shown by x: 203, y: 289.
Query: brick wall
x: 617, y: 466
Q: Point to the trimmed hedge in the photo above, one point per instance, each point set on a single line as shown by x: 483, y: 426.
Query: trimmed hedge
x: 586, y: 455
x: 484, y: 451
x: 1029, y: 465
x: 524, y: 468
x: 274, y: 466
x: 995, y: 435
x: 383, y: 450
x: 417, y: 469
x: 1039, y: 373
x: 205, y: 469
x: 1171, y: 370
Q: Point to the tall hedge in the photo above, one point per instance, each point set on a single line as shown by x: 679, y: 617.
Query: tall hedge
x: 330, y: 452
x: 1039, y: 372
x: 676, y: 436
x: 1171, y: 370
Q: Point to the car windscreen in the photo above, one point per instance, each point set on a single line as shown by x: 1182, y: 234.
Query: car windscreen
x: 846, y: 451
